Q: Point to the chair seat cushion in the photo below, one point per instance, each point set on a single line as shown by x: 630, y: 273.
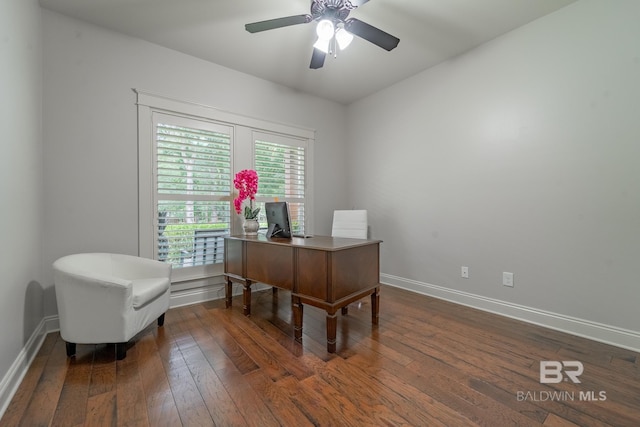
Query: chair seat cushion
x: 146, y: 290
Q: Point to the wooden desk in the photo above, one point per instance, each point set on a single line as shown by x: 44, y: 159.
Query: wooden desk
x: 324, y: 272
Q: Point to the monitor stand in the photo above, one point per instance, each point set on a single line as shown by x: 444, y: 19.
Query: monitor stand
x: 273, y: 230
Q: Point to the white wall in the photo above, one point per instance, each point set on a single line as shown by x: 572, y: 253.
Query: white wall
x: 21, y: 210
x: 90, y: 129
x: 519, y: 156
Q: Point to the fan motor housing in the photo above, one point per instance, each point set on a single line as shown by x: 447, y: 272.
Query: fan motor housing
x: 334, y: 10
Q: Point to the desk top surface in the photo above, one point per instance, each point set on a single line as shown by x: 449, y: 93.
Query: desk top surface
x: 325, y: 243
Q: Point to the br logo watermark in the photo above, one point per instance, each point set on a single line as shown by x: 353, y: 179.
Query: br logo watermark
x: 553, y: 372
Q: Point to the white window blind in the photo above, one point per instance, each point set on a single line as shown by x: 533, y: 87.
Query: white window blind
x: 193, y: 179
x: 281, y: 166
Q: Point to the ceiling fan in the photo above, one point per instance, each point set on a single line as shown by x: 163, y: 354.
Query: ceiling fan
x: 334, y: 29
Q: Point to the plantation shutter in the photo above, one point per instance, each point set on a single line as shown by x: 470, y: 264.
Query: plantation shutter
x: 193, y: 180
x: 281, y: 165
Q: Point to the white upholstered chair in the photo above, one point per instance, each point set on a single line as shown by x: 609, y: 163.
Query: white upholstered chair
x: 109, y: 298
x: 350, y: 223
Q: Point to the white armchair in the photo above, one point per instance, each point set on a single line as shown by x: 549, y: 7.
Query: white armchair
x: 109, y: 298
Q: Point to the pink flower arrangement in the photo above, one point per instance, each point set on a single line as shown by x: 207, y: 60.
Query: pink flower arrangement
x: 246, y: 182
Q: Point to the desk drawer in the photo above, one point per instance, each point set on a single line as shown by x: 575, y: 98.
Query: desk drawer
x: 312, y: 273
x: 270, y: 264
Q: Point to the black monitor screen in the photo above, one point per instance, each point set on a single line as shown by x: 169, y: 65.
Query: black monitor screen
x: 278, y: 219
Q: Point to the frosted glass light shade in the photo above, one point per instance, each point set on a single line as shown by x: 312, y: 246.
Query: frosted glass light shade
x: 322, y: 45
x: 325, y: 29
x: 344, y: 38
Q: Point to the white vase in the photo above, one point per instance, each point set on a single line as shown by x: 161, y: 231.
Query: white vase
x: 250, y: 227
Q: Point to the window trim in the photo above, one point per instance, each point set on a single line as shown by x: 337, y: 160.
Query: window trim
x: 244, y: 129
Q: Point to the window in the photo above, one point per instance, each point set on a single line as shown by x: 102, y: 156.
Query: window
x: 188, y: 156
x: 193, y: 190
x: 280, y: 163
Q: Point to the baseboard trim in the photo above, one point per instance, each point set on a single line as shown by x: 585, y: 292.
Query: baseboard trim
x: 20, y: 366
x: 207, y: 293
x: 607, y: 334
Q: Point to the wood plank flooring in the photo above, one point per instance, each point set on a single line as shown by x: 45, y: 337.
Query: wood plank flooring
x: 428, y: 363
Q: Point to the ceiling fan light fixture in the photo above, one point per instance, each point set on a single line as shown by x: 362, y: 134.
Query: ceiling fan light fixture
x: 334, y: 28
x: 325, y: 29
x: 344, y: 38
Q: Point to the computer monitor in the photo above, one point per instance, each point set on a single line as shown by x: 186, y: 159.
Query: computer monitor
x: 278, y: 219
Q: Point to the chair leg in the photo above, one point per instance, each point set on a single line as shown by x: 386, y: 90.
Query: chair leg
x: 71, y: 349
x: 121, y: 350
x: 161, y: 320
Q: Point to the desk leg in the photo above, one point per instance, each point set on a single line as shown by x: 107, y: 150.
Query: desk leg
x: 296, y: 306
x: 375, y: 306
x: 332, y: 325
x: 228, y: 293
x: 246, y: 298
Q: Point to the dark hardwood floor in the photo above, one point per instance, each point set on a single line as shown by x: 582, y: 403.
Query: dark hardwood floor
x: 428, y: 363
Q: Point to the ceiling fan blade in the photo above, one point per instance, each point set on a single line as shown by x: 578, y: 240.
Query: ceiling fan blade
x: 371, y: 33
x: 271, y: 24
x: 317, y: 59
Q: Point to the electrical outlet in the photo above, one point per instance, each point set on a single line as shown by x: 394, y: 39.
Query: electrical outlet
x: 464, y: 272
x: 507, y: 279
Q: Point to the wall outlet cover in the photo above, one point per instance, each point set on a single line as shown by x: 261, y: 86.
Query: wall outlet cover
x: 464, y: 272
x: 507, y: 279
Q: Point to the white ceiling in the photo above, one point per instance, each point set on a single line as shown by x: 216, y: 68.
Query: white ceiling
x: 430, y: 31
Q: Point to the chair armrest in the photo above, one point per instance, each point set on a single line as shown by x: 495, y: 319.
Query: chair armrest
x: 133, y: 267
x: 86, y: 303
x: 95, y: 290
